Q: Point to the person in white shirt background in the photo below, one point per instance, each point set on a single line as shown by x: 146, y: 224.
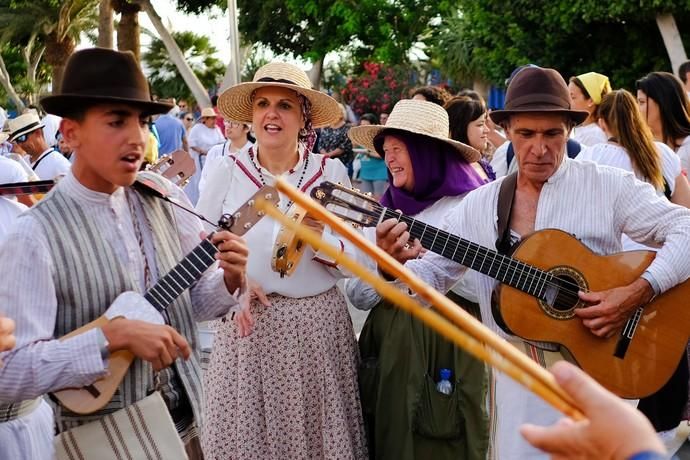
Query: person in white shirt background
x: 631, y: 147
x: 238, y: 138
x: 203, y: 135
x: 26, y: 131
x: 665, y: 105
x: 586, y: 92
x: 282, y: 381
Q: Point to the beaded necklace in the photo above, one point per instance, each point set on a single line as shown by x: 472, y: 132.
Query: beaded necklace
x: 263, y: 180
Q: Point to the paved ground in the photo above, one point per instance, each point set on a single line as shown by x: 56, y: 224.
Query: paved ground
x: 683, y: 453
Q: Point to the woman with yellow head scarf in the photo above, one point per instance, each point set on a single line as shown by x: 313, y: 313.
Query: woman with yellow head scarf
x: 586, y: 92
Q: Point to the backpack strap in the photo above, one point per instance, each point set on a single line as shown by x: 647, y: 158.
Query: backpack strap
x: 667, y: 189
x: 505, y: 204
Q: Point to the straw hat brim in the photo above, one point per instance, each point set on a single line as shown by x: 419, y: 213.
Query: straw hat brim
x: 235, y: 103
x: 63, y: 104
x: 578, y: 116
x: 364, y: 136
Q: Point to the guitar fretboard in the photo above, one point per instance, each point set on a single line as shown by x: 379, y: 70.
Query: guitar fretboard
x: 182, y: 276
x: 505, y: 269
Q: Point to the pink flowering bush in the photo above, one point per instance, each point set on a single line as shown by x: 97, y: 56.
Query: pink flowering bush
x: 377, y: 89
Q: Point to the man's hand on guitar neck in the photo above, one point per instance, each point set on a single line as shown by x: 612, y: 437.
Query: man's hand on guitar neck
x: 158, y: 344
x: 609, y: 310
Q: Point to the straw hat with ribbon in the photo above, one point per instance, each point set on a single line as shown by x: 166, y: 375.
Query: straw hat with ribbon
x: 235, y: 103
x: 23, y: 124
x: 208, y: 112
x: 417, y: 117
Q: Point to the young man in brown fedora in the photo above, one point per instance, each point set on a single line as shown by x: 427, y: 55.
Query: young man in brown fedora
x: 596, y: 204
x: 92, y: 238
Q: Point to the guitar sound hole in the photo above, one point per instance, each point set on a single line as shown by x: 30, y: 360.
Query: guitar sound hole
x: 567, y: 298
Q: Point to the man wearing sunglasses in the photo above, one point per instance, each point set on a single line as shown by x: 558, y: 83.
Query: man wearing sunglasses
x: 26, y: 132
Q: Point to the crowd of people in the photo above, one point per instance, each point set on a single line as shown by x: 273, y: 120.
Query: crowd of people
x: 288, y: 377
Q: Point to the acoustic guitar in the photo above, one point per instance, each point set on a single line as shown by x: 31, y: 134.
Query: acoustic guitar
x: 93, y: 397
x: 538, y: 295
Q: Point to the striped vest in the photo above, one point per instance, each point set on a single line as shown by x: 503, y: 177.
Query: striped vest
x: 88, y: 278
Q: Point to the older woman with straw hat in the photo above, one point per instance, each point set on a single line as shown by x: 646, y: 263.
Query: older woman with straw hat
x: 282, y: 381
x: 406, y: 417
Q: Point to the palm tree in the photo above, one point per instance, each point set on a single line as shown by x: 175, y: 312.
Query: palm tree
x: 105, y: 24
x: 57, y: 25
x: 166, y: 80
x: 128, y: 30
x: 176, y: 55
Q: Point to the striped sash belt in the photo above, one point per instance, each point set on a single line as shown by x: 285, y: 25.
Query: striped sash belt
x: 13, y: 411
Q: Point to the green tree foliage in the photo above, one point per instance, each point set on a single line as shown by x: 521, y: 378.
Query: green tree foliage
x: 165, y: 79
x: 200, y: 6
x: 619, y: 38
x: 378, y: 30
x: 57, y: 24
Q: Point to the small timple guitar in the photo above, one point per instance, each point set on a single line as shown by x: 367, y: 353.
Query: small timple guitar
x: 539, y: 294
x: 178, y: 167
x: 93, y: 397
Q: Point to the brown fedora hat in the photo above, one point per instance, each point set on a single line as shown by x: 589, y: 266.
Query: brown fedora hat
x: 100, y: 75
x: 535, y: 89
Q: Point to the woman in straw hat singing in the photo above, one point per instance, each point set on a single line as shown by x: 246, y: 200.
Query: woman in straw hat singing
x: 402, y: 360
x: 282, y: 381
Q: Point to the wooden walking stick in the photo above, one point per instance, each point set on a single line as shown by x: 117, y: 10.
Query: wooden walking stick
x: 455, y: 324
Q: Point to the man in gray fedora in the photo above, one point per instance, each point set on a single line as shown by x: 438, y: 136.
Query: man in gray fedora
x: 93, y: 237
x: 596, y: 204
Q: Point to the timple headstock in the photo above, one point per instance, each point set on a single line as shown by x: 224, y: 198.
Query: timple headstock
x: 247, y: 215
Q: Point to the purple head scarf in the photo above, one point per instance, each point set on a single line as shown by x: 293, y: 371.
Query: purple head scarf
x: 439, y: 171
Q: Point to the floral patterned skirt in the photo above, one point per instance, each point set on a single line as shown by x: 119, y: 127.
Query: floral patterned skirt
x: 289, y: 390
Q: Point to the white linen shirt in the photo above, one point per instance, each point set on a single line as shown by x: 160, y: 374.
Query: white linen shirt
x: 616, y: 156
x: 39, y: 363
x: 52, y: 164
x: 589, y: 135
x: 232, y: 183
x: 213, y: 156
x: 595, y: 203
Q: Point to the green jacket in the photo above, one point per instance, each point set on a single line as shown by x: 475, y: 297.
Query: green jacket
x: 406, y: 417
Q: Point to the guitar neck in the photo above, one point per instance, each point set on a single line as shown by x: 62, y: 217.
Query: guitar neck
x: 505, y: 269
x: 183, y: 275
x: 26, y: 188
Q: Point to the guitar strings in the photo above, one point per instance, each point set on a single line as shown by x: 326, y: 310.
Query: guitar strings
x: 569, y: 289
